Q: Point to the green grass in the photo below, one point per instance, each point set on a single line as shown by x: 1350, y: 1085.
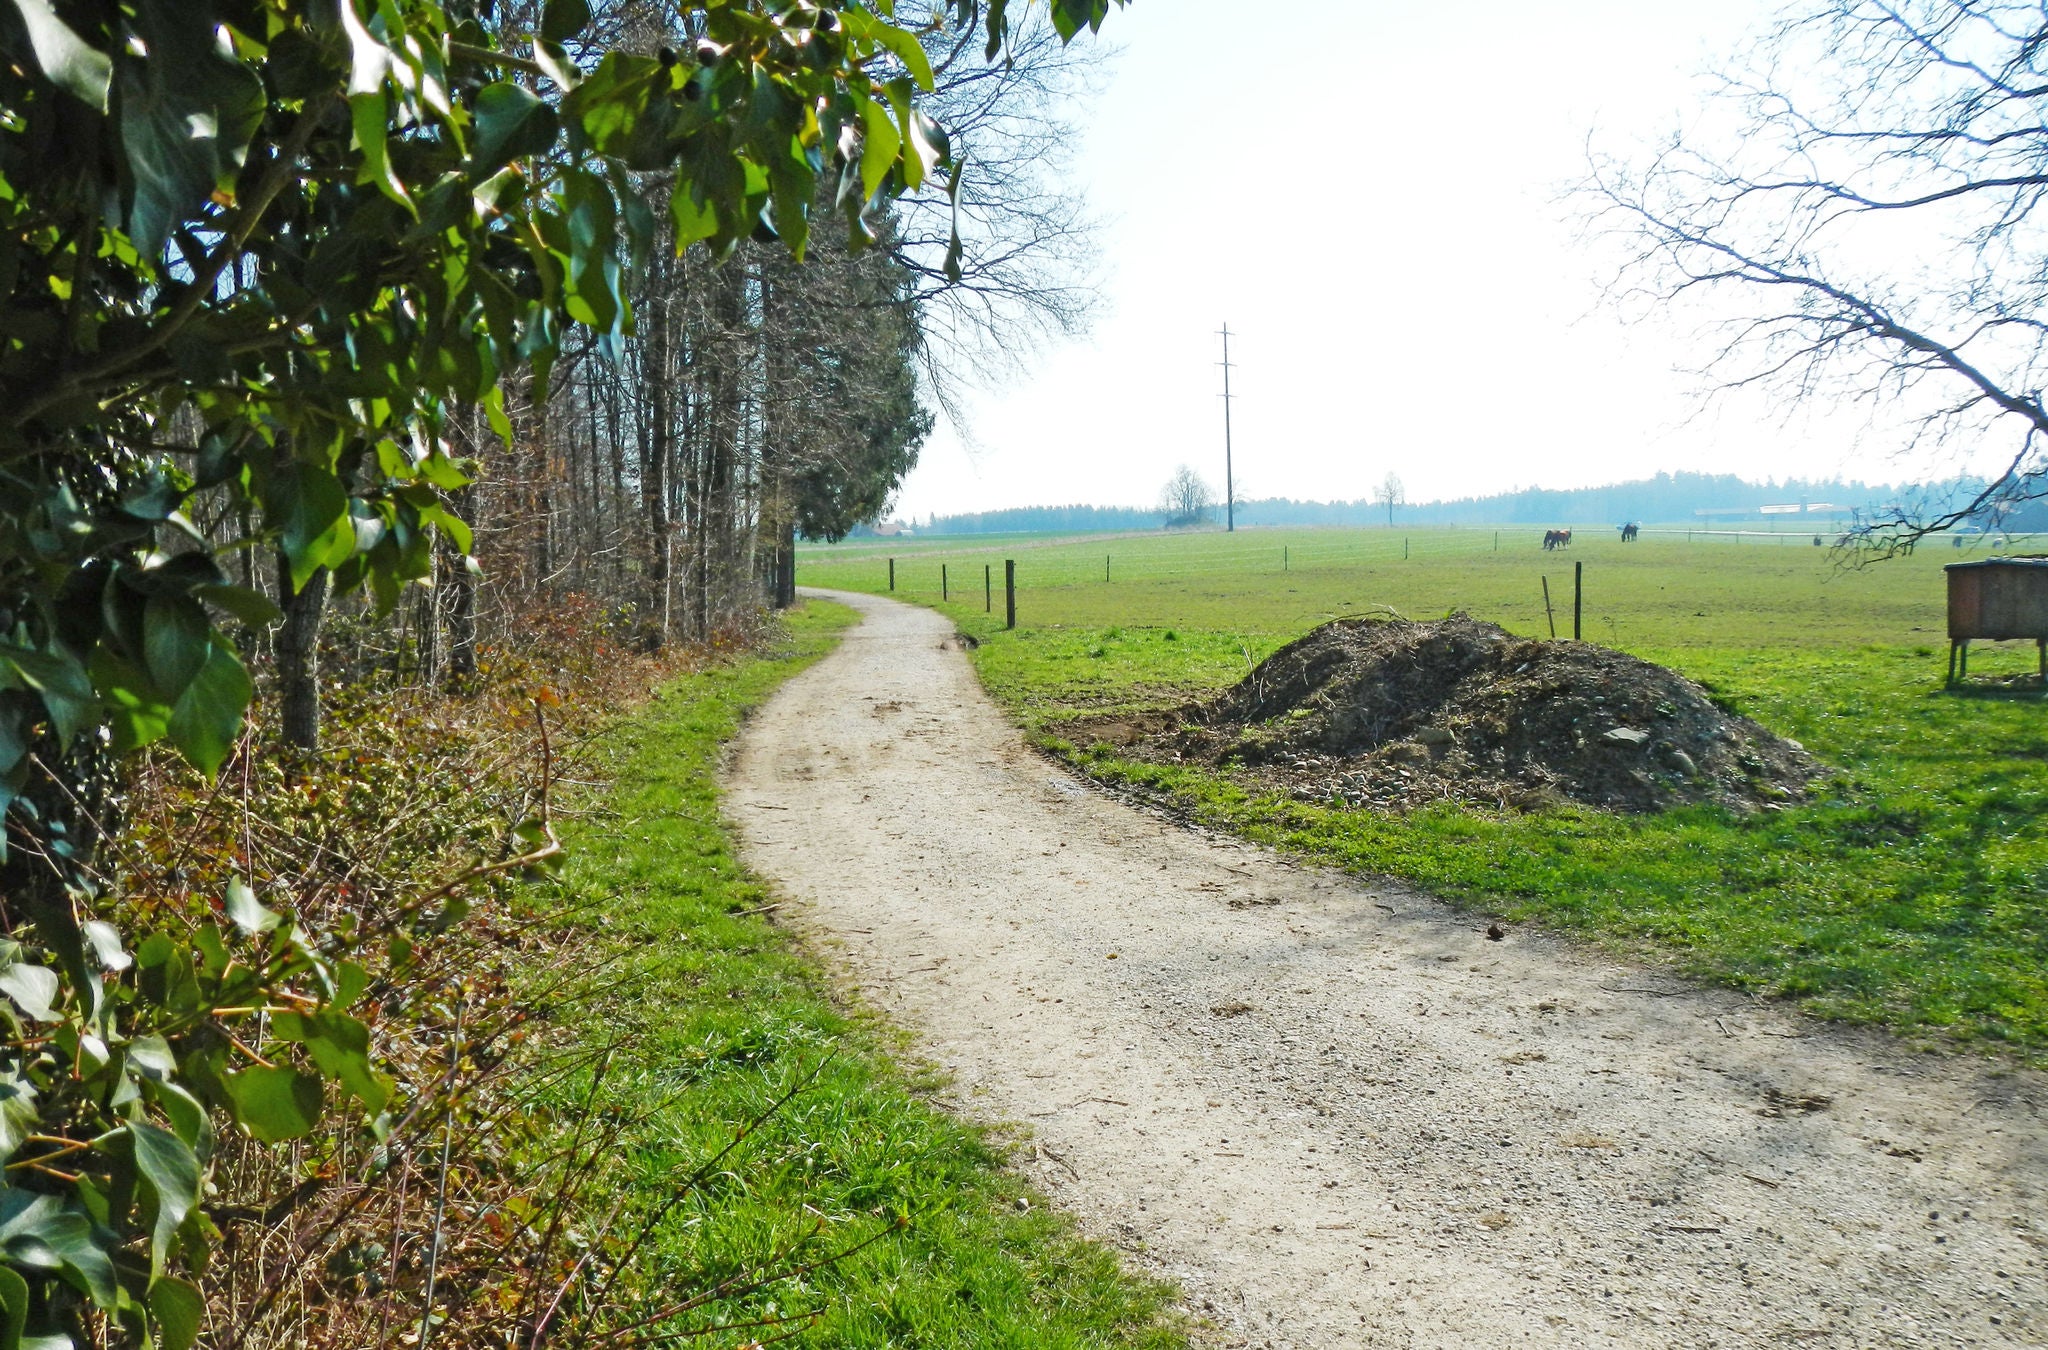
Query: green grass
x: 717, y: 1013
x: 1912, y: 891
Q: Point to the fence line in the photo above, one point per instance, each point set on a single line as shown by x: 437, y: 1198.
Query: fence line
x: 1203, y: 557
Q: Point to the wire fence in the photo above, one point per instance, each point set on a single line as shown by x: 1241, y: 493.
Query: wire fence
x: 1064, y: 562
x: 1072, y: 563
x: 1994, y: 542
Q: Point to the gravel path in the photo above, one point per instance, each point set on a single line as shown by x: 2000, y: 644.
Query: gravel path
x: 1336, y: 1113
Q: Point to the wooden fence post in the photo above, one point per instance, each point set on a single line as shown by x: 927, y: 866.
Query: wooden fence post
x: 1578, y: 595
x: 892, y: 574
x: 1548, y: 612
x: 1009, y: 592
x: 988, y: 590
x: 945, y: 588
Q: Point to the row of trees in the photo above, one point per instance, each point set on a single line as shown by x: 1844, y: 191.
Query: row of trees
x: 664, y: 470
x: 1661, y: 497
x: 666, y: 473
x: 1071, y: 519
x: 1187, y: 498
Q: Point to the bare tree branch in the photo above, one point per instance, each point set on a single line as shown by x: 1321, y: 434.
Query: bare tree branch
x: 1859, y: 220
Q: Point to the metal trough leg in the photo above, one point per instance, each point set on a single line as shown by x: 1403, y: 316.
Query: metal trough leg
x: 1952, y: 645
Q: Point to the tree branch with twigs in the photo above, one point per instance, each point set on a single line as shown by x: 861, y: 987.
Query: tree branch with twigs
x: 1858, y: 222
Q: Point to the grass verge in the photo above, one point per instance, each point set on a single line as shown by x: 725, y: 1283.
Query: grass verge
x: 709, y: 1016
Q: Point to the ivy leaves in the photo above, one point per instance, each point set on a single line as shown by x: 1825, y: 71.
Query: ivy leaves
x: 71, y: 64
x: 158, y: 1071
x: 50, y: 1233
x: 169, y: 1170
x: 511, y: 123
x: 274, y: 1103
x: 187, y: 116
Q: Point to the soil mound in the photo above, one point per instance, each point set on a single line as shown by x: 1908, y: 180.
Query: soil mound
x: 1386, y: 712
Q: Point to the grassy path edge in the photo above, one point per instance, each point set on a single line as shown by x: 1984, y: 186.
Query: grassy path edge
x: 712, y: 1013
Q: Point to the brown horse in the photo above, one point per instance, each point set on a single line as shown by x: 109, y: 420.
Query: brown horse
x: 1629, y: 532
x: 1556, y: 539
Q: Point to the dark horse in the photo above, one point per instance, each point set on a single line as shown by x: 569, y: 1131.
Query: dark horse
x: 1629, y: 532
x: 1556, y: 539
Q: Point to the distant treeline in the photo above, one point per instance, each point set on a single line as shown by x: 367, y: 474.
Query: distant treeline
x: 1668, y: 497
x: 1048, y: 519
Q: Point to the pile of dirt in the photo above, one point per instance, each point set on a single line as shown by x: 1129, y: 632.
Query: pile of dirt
x: 1390, y: 713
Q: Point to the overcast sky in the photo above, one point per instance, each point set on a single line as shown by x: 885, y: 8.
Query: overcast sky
x: 1375, y: 205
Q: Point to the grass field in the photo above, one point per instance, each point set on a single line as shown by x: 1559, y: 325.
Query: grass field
x: 707, y: 1015
x: 1912, y: 890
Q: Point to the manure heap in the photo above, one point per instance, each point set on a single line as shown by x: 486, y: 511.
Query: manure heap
x: 1393, y: 713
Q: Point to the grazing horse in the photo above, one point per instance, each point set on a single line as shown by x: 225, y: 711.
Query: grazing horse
x: 1629, y: 532
x: 1556, y: 539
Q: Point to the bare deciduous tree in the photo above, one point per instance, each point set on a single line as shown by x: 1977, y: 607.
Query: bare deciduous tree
x: 1860, y: 218
x: 1390, y: 493
x: 1187, y: 499
x: 1026, y: 270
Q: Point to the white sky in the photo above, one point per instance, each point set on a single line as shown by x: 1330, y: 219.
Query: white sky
x: 1374, y: 202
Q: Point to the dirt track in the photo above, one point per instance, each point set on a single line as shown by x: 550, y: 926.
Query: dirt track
x: 1335, y: 1112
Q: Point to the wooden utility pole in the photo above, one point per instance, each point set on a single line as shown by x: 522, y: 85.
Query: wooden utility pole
x: 1229, y: 484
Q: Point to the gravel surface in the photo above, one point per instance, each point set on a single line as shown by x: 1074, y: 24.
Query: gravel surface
x: 1337, y: 1113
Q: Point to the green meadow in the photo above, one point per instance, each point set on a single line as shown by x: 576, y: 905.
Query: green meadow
x: 1910, y: 890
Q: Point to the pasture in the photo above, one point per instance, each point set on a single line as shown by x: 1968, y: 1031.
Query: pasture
x: 1911, y: 889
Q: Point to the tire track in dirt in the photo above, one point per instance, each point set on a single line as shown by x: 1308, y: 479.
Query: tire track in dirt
x: 1334, y: 1111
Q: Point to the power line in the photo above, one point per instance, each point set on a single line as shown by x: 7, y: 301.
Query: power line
x: 1229, y: 485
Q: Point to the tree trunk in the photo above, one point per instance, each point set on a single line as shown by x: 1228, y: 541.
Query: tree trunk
x: 785, y: 565
x: 461, y: 624
x: 298, y: 657
x: 715, y: 538
x: 655, y: 450
x: 775, y: 527
x: 461, y: 584
x: 621, y: 528
x: 428, y: 654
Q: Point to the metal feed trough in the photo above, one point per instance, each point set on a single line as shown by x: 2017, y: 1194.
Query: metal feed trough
x: 1997, y: 600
